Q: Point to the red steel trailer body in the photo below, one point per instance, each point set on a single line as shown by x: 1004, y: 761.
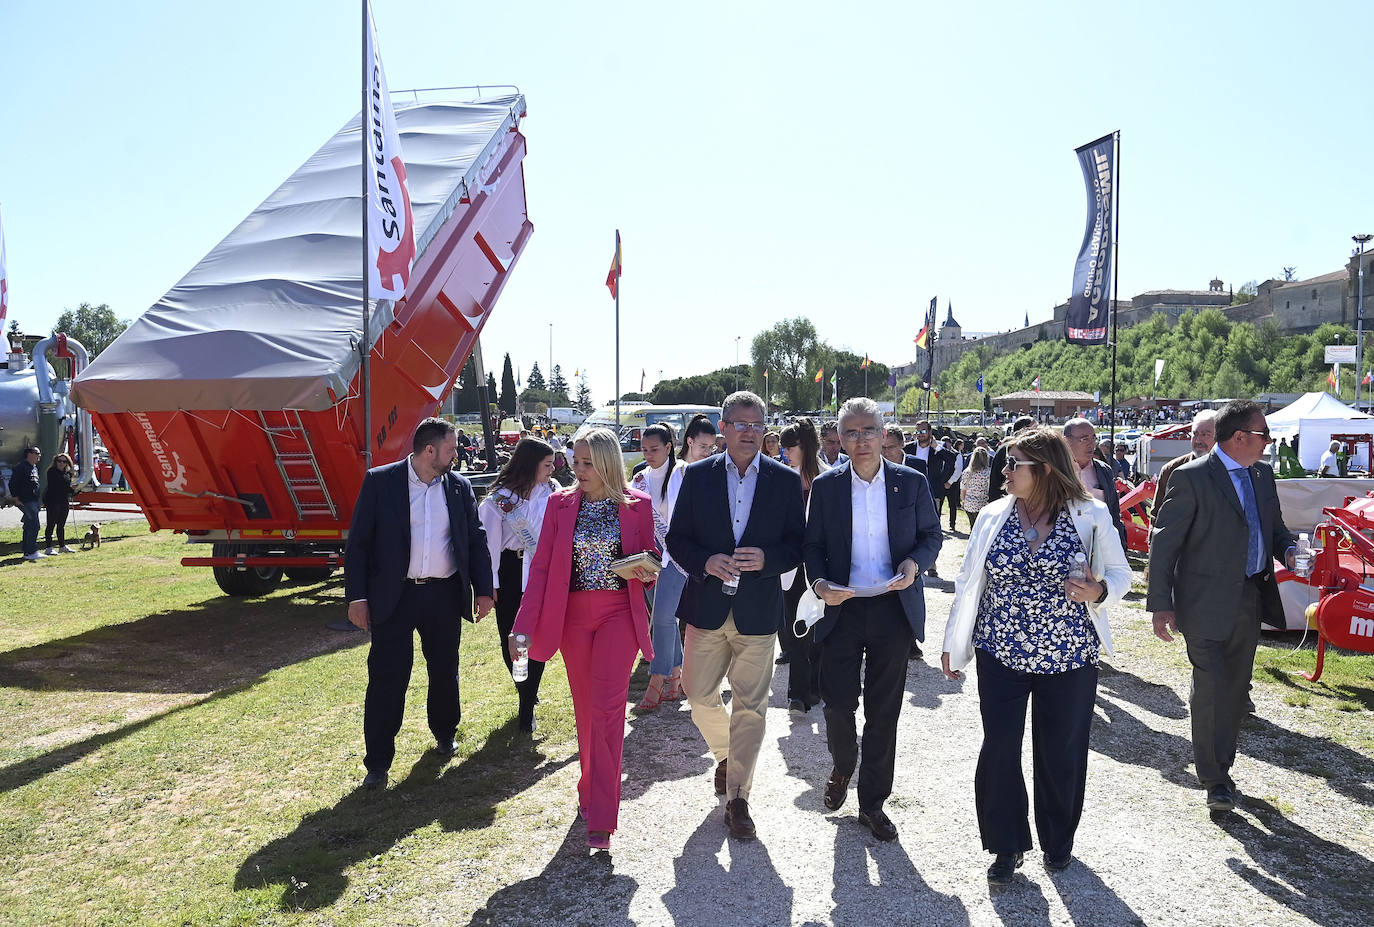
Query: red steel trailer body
x: 237, y: 418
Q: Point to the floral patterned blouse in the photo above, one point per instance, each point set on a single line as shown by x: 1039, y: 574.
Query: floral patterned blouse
x: 1025, y: 621
x: 596, y: 542
x: 975, y: 485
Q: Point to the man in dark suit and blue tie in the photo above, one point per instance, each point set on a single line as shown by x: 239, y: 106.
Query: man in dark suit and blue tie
x: 871, y: 523
x: 1212, y: 548
x: 415, y: 550
x: 736, y: 528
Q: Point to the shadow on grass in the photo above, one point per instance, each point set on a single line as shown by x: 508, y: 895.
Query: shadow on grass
x: 1322, y: 881
x: 310, y: 862
x: 204, y: 648
x: 22, y: 773
x: 1335, y: 684
x: 574, y: 883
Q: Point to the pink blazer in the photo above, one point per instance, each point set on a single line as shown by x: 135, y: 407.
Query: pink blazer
x: 545, y: 602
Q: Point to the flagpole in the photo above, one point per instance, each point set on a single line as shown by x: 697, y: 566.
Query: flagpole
x: 1116, y: 270
x: 367, y: 332
x: 617, y: 334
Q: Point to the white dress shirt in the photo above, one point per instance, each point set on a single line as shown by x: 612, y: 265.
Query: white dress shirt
x: 501, y: 526
x: 431, y: 551
x: 1089, y: 477
x: 870, y: 555
x: 740, y: 489
x: 923, y: 453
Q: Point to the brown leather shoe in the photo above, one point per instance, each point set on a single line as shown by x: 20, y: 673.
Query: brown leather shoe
x: 738, y: 820
x: 835, y: 790
x: 879, y: 823
x: 720, y: 777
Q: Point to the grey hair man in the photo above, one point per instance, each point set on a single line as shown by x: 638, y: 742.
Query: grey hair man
x: 1203, y: 440
x: 871, y: 526
x: 1097, y: 476
x: 737, y: 527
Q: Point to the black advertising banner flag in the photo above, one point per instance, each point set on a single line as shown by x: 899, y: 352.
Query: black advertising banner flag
x: 1089, y: 306
x: 930, y: 345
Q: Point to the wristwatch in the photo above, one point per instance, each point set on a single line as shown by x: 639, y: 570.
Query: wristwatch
x: 1103, y: 597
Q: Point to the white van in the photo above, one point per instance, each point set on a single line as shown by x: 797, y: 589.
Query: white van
x: 562, y: 415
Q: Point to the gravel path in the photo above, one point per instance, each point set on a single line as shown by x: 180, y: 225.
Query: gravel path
x: 1297, y: 852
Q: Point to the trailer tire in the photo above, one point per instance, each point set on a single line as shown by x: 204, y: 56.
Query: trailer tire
x: 253, y: 581
x: 307, y: 575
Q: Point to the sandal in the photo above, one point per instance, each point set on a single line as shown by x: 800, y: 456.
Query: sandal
x: 673, y: 691
x: 653, y: 696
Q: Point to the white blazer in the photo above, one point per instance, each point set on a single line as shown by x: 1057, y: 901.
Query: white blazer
x: 1106, y: 560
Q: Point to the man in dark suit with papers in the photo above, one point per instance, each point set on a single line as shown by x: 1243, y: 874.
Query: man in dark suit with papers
x: 870, y: 531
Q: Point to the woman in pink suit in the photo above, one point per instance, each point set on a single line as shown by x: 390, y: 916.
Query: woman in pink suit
x: 574, y: 603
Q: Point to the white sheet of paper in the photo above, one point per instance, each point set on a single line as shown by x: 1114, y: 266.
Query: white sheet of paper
x: 868, y: 592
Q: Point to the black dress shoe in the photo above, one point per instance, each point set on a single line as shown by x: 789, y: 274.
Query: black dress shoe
x: 374, y: 780
x: 720, y: 777
x: 798, y: 706
x: 738, y: 820
x: 1004, y: 867
x: 835, y: 790
x: 931, y: 572
x: 528, y: 724
x: 445, y: 747
x: 1220, y: 798
x: 1058, y: 863
x: 783, y: 659
x: 879, y: 823
x: 915, y: 652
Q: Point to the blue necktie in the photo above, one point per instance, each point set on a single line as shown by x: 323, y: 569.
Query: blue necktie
x: 1255, y: 557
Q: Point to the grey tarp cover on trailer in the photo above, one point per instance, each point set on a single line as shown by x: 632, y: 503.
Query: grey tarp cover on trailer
x: 271, y: 318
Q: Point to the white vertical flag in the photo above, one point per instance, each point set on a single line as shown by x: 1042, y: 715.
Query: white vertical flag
x: 1159, y: 369
x: 391, y: 233
x: 4, y: 279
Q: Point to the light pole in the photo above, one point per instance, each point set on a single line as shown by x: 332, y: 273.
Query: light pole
x: 1359, y: 317
x: 548, y: 374
x: 737, y: 337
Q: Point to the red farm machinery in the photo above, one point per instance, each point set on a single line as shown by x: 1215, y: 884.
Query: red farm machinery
x: 233, y: 405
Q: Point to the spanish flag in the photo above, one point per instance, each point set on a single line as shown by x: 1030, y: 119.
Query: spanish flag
x: 818, y: 374
x: 864, y: 365
x: 1331, y: 379
x: 613, y: 276
x: 923, y: 338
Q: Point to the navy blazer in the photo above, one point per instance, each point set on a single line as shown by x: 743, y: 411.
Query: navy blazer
x: 913, y: 532
x: 377, y: 555
x: 701, y: 528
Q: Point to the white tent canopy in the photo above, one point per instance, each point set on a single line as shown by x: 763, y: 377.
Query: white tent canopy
x: 1314, y: 418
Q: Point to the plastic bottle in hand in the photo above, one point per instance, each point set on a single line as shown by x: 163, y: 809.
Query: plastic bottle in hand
x: 1303, y: 556
x: 730, y: 586
x: 520, y: 666
x: 1079, y: 570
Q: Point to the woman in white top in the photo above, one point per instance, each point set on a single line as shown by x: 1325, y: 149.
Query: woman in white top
x: 512, y: 514
x: 1027, y: 605
x: 802, y: 447
x: 661, y: 480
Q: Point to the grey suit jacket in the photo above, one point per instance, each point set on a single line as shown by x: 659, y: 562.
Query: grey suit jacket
x: 1198, y: 549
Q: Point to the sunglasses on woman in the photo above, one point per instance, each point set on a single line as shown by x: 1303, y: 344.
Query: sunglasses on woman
x: 1013, y: 463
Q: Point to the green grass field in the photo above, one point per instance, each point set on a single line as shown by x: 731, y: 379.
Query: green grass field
x: 173, y: 756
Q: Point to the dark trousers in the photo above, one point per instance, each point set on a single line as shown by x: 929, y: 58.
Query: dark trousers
x: 508, y: 576
x: 1221, y: 688
x: 57, y: 518
x: 1061, y: 718
x: 952, y: 497
x: 428, y: 609
x: 803, y: 653
x: 872, y: 635
x: 28, y: 540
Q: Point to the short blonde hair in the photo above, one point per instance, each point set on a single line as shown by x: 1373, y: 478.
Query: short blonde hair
x: 604, y: 450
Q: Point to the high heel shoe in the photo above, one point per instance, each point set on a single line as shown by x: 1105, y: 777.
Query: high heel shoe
x: 672, y: 692
x: 599, y: 839
x: 653, y: 696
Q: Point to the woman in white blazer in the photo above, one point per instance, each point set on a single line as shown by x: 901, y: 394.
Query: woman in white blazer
x: 1040, y: 565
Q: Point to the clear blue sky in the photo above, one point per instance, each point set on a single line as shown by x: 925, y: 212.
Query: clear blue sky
x: 762, y: 159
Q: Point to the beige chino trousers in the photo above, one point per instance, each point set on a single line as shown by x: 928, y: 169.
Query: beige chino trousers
x: 747, y: 661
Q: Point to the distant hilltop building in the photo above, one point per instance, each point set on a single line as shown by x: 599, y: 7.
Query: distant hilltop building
x: 1294, y: 306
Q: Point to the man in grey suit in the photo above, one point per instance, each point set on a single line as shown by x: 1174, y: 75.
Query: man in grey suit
x: 1212, y: 579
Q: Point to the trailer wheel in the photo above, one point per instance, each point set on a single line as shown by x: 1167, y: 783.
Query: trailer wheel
x: 253, y: 581
x: 308, y: 575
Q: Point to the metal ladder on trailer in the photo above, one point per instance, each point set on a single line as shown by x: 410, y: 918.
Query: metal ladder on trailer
x: 296, y: 462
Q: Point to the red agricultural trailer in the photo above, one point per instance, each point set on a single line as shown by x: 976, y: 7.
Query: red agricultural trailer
x: 233, y: 404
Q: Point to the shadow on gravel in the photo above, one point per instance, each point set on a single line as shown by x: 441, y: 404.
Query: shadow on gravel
x: 707, y: 894
x: 1156, y: 698
x: 1124, y: 738
x: 662, y: 745
x: 1347, y: 771
x: 1090, y: 902
x: 900, y: 895
x: 311, y: 862
x: 576, y: 887
x: 1320, y: 880
x: 1022, y: 903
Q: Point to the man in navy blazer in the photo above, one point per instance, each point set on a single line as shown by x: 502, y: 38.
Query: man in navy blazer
x: 739, y: 520
x: 872, y: 524
x: 415, y: 549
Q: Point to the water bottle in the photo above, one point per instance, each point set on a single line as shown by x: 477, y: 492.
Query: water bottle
x: 1303, y: 557
x: 520, y: 666
x: 731, y: 586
